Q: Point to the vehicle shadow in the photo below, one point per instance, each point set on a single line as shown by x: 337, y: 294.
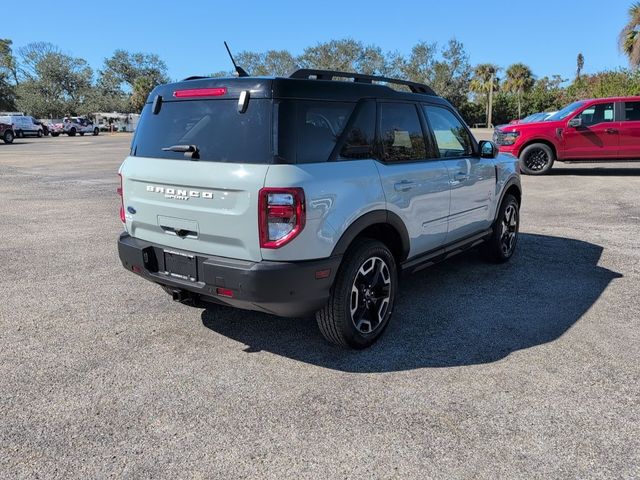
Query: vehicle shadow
x: 599, y: 171
x: 460, y: 312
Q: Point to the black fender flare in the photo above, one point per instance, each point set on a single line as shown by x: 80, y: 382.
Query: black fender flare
x: 374, y: 217
x: 511, y: 182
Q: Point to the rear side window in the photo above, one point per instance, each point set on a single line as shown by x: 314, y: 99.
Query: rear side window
x: 632, y: 111
x: 602, y: 112
x: 401, y: 133
x: 359, y: 139
x: 215, y: 127
x: 451, y: 136
x: 308, y: 130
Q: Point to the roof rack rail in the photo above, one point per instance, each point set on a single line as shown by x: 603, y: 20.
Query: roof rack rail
x: 307, y: 73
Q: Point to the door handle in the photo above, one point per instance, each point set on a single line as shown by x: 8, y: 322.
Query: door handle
x: 461, y: 176
x: 404, y: 186
x: 611, y: 131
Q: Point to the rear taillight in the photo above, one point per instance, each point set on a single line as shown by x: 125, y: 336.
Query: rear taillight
x: 281, y: 215
x: 119, y: 190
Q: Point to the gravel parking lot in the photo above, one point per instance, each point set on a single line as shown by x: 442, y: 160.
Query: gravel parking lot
x: 529, y: 369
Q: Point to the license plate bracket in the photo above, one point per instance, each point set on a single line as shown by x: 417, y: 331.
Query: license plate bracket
x: 181, y: 265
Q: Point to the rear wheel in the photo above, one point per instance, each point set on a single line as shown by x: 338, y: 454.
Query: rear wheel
x: 39, y: 133
x: 72, y: 132
x: 502, y: 243
x: 96, y: 131
x: 8, y: 137
x: 362, y: 297
x: 537, y: 159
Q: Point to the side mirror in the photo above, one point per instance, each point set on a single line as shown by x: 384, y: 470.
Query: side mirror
x: 488, y: 149
x: 575, y: 122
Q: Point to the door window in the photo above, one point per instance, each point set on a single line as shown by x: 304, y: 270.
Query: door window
x: 599, y: 113
x: 632, y: 111
x: 401, y: 133
x: 451, y: 136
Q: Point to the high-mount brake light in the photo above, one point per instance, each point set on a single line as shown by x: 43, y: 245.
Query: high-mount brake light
x: 200, y: 92
x: 281, y: 215
x: 120, y: 193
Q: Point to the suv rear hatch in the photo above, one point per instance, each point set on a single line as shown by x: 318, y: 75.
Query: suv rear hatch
x: 204, y: 199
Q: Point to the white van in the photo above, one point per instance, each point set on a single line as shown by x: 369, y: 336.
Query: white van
x: 23, y: 125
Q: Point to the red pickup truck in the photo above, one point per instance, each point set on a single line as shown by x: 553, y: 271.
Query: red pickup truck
x: 597, y: 129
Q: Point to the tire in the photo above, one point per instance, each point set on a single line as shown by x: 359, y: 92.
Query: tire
x: 501, y: 246
x: 536, y: 159
x: 39, y: 133
x: 72, y: 132
x: 82, y: 134
x: 54, y: 134
x: 96, y: 132
x: 19, y: 134
x: 362, y: 296
x: 8, y: 137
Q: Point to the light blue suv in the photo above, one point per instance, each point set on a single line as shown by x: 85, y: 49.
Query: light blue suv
x: 308, y: 194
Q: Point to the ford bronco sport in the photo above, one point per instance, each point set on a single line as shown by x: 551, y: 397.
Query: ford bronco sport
x: 599, y: 129
x: 308, y: 194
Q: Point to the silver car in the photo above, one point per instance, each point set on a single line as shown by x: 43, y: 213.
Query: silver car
x: 308, y: 195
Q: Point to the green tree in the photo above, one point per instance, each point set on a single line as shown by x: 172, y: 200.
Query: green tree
x: 484, y: 83
x: 579, y: 65
x: 629, y: 39
x: 137, y: 73
x: 52, y: 83
x: 518, y: 80
x: 8, y: 62
x: 141, y: 90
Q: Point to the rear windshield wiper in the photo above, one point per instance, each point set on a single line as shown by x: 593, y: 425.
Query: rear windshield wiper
x: 190, y: 151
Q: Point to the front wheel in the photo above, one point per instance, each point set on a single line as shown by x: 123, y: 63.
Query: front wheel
x: 502, y: 243
x: 54, y: 134
x: 39, y: 133
x: 362, y: 297
x: 537, y: 159
x: 72, y: 132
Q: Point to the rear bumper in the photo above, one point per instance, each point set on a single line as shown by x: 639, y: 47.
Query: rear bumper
x: 288, y: 289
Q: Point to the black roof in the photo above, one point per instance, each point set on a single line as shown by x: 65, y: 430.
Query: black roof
x: 307, y: 84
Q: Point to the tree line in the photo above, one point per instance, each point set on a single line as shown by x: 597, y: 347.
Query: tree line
x: 43, y: 81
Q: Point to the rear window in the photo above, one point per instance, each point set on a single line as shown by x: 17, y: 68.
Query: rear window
x: 309, y: 130
x: 215, y: 127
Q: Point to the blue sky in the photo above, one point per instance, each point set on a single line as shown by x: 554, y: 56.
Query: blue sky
x: 547, y: 35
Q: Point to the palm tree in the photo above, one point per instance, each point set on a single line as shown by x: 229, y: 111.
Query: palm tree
x: 485, y: 82
x: 579, y: 65
x: 629, y: 39
x: 519, y: 80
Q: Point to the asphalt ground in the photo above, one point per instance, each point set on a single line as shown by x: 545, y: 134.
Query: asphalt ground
x: 523, y: 370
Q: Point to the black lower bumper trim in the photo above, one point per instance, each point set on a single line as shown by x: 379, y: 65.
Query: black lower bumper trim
x: 288, y: 289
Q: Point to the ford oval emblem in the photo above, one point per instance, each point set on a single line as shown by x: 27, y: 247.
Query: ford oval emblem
x: 131, y: 210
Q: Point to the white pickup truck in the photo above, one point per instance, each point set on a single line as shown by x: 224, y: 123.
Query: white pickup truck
x: 79, y: 125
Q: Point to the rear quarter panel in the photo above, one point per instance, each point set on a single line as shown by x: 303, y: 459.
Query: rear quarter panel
x: 336, y: 194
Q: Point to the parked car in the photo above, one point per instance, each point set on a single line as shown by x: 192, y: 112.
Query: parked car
x: 6, y: 132
x: 308, y: 194
x: 23, y: 125
x: 56, y: 127
x: 598, y: 129
x: 44, y: 125
x: 79, y: 125
x: 534, y: 117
